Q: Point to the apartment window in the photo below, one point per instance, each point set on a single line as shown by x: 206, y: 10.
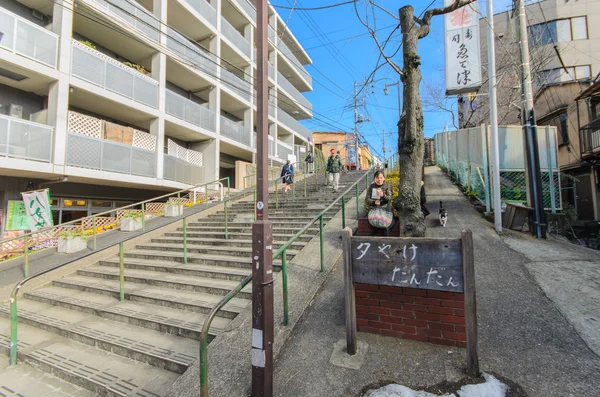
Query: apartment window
x: 559, y: 31
x: 560, y: 122
x: 560, y: 75
x: 579, y: 27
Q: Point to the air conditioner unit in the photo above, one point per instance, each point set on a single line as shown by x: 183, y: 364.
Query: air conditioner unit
x: 16, y: 111
x: 37, y: 15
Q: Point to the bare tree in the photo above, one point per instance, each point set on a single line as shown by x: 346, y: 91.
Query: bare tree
x: 410, y: 126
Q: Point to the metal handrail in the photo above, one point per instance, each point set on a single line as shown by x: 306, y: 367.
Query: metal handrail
x: 15, y: 291
x: 280, y: 252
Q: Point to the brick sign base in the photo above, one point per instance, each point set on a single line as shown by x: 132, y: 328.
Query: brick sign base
x: 424, y: 315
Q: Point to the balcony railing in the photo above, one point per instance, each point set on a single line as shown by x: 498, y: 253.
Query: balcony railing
x: 134, y: 14
x: 248, y: 7
x: 283, y: 151
x: 271, y: 70
x: 190, y: 52
x: 235, y: 37
x: 190, y: 111
x: 179, y: 170
x: 242, y: 87
x: 291, y: 58
x: 99, y: 69
x: 104, y: 155
x: 205, y: 9
x: 272, y: 109
x: 293, y: 92
x: 272, y: 35
x: 25, y: 139
x: 293, y: 124
x: 271, y: 143
x: 25, y: 38
x: 590, y: 137
x: 235, y: 131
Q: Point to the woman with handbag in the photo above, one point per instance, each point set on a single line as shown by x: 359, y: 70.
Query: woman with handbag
x: 287, y: 175
x: 377, y: 203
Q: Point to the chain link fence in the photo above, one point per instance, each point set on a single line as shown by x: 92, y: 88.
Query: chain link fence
x: 465, y: 156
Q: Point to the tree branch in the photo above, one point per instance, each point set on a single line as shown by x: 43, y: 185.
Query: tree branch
x: 443, y: 10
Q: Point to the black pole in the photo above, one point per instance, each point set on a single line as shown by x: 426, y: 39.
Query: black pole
x: 538, y: 228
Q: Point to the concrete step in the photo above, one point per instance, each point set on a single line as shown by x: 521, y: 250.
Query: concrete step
x: 171, y: 239
x: 96, y: 370
x: 248, y: 229
x: 167, y: 297
x: 190, y: 269
x: 245, y: 252
x: 292, y: 222
x: 235, y: 236
x: 218, y: 260
x: 162, y: 279
x: 311, y: 212
x: 88, y: 318
x: 25, y: 380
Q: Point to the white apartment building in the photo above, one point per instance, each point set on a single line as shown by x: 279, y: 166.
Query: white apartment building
x: 111, y: 101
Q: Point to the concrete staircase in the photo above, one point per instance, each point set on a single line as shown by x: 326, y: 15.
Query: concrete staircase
x: 76, y: 338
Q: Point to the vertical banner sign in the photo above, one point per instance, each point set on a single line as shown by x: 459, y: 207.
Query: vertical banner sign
x: 16, y: 216
x: 463, y: 61
x: 39, y: 210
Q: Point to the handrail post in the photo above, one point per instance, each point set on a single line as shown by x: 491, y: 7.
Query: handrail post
x: 228, y: 188
x: 13, y: 329
x: 343, y: 213
x: 276, y: 195
x: 121, y: 274
x: 322, y: 243
x: 185, y: 240
x: 285, y: 289
x: 26, y: 253
x: 305, y: 176
x: 143, y: 217
x: 226, y: 222
x: 293, y: 191
x: 357, y: 205
x: 95, y: 226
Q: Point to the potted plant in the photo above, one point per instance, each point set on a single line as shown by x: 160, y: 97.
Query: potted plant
x: 131, y: 221
x: 71, y: 241
x: 173, y: 208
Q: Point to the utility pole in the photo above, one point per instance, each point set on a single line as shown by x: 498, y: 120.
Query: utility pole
x: 356, y: 121
x: 530, y: 133
x: 494, y: 117
x: 262, y: 228
x: 384, y: 146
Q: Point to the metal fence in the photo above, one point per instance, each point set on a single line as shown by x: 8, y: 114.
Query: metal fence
x: 466, y: 156
x: 190, y: 52
x: 176, y: 169
x: 25, y: 139
x: 235, y: 37
x: 190, y: 111
x: 134, y: 14
x: 205, y: 9
x: 235, y: 131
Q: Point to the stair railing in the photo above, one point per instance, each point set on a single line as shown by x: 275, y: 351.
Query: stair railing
x: 283, y: 253
x: 144, y: 211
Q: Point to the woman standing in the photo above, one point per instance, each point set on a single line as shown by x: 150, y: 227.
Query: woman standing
x: 287, y: 173
x: 379, y: 194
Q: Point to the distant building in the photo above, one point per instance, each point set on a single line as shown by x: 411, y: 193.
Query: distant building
x: 343, y: 142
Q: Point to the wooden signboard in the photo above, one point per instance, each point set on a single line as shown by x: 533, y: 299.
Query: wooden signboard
x: 424, y: 263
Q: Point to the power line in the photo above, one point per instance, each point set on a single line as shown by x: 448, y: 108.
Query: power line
x: 313, y: 8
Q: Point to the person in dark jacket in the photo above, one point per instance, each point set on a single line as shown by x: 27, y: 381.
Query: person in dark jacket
x: 287, y: 174
x: 309, y: 162
x: 379, y: 194
x: 334, y: 167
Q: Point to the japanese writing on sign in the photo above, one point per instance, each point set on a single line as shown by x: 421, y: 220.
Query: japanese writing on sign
x: 434, y: 264
x: 37, y: 205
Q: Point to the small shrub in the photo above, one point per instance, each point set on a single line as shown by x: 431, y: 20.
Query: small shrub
x: 88, y: 44
x: 73, y: 233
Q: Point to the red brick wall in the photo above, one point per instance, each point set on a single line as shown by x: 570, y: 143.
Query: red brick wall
x: 410, y: 313
x: 364, y: 229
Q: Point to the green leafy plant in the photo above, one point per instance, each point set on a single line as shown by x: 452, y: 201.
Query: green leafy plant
x: 73, y: 233
x: 471, y: 194
x: 136, y: 216
x: 88, y: 44
x: 137, y: 67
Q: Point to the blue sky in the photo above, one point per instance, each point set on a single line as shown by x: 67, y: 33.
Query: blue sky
x: 342, y: 52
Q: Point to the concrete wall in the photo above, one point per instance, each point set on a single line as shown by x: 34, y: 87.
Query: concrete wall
x: 23, y: 11
x: 30, y: 102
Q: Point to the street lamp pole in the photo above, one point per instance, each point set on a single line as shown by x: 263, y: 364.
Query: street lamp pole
x: 386, y: 91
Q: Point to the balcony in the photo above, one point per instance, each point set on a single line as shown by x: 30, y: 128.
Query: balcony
x: 25, y: 139
x: 271, y: 70
x: 293, y: 92
x: 272, y: 35
x: 190, y: 52
x: 205, y: 9
x: 235, y: 131
x: 248, y: 8
x: 134, y: 14
x: 271, y: 143
x: 293, y: 124
x: 190, y: 111
x: 104, y: 155
x: 235, y: 37
x: 178, y: 170
x: 97, y: 68
x: 291, y: 59
x: 242, y: 87
x: 590, y: 138
x: 283, y: 150
x: 27, y: 39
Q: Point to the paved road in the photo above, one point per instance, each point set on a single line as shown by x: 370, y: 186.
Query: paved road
x: 533, y: 330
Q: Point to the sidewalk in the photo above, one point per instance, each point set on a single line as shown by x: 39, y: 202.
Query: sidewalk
x: 537, y: 311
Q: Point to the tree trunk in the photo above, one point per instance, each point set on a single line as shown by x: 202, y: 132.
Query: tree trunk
x: 410, y: 132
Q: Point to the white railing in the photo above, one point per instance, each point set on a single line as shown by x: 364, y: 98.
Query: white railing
x: 235, y: 37
x: 25, y: 139
x: 99, y: 69
x: 293, y: 92
x: 190, y: 111
x: 248, y: 8
x: 205, y: 9
x: 291, y: 58
x: 190, y: 52
x: 272, y: 35
x: 25, y: 38
x: 235, y: 131
x: 271, y: 70
x: 283, y: 150
x: 293, y: 124
x: 134, y: 14
x: 271, y: 143
x: 242, y: 87
x: 101, y: 154
x: 178, y: 170
x: 272, y: 110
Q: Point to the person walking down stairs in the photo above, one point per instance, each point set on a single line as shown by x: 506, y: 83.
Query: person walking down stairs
x: 334, y: 166
x: 309, y: 163
x: 287, y: 173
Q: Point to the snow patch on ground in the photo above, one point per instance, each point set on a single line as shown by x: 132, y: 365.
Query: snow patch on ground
x: 491, y: 388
